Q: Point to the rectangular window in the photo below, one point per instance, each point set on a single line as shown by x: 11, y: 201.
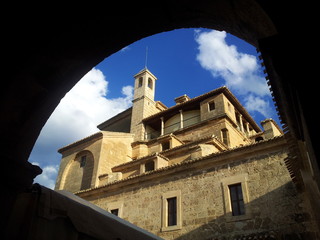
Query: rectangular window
x: 83, y: 161
x: 165, y: 145
x: 115, y: 211
x: 236, y: 197
x: 172, y: 211
x: 212, y: 106
x: 225, y: 137
x: 149, y: 166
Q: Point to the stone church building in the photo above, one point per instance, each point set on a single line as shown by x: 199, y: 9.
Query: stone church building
x: 201, y: 169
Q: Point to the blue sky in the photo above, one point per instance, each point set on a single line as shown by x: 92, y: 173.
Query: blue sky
x: 185, y: 61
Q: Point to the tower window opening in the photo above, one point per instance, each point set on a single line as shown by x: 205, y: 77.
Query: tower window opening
x: 140, y: 82
x: 150, y: 84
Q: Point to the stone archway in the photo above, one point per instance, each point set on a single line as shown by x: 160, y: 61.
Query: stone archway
x: 50, y: 49
x: 57, y: 56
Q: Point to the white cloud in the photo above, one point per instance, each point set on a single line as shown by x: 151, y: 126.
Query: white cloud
x: 79, y: 112
x: 256, y: 103
x: 240, y: 71
x: 48, y: 176
x: 128, y: 92
x: 83, y: 108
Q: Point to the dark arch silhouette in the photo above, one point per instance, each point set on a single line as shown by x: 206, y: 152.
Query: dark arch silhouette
x: 48, y: 49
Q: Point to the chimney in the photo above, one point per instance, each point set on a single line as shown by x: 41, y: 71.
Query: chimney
x: 181, y: 99
x: 271, y: 128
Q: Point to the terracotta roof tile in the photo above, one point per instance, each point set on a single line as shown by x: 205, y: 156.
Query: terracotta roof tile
x: 184, y: 163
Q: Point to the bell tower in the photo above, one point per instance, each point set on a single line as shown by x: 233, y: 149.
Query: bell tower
x: 143, y: 104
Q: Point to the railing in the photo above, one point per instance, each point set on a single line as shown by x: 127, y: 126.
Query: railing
x: 172, y: 128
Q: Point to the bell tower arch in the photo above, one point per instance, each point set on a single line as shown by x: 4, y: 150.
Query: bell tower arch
x: 144, y: 85
x: 143, y: 104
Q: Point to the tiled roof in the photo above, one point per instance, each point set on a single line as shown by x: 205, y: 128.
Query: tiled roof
x: 133, y: 162
x: 115, y: 118
x: 176, y: 165
x: 71, y: 145
x: 202, y: 97
x: 96, y: 135
x: 161, y: 154
x: 266, y: 235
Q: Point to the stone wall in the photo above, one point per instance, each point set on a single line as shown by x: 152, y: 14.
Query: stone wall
x: 103, y: 150
x: 78, y: 177
x: 219, y: 109
x: 70, y: 174
x: 115, y: 149
x: 214, y: 127
x: 272, y: 204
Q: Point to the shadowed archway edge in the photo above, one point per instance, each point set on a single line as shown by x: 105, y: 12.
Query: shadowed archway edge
x: 57, y: 48
x: 48, y: 48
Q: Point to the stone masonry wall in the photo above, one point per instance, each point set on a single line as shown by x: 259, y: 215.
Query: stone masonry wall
x: 70, y: 175
x: 272, y: 206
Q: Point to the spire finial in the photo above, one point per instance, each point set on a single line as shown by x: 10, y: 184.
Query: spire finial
x: 145, y: 65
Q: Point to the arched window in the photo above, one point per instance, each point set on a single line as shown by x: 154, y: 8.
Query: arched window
x: 150, y: 83
x: 140, y: 82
